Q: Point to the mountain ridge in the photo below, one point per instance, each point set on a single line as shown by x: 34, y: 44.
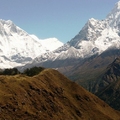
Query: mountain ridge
x: 95, y: 37
x: 110, y: 85
x: 49, y: 96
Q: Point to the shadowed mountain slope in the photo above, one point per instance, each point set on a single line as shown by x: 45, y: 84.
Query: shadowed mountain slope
x: 110, y: 82
x: 49, y: 96
x: 89, y: 72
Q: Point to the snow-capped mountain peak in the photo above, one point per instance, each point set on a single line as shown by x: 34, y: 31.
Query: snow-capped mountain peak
x: 94, y: 38
x: 117, y: 5
x: 99, y: 35
x: 51, y: 43
x: 17, y: 47
x: 113, y: 17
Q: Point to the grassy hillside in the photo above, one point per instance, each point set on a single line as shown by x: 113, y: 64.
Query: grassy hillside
x: 49, y: 96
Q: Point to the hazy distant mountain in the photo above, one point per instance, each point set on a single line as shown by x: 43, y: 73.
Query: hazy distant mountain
x: 17, y: 47
x: 50, y: 43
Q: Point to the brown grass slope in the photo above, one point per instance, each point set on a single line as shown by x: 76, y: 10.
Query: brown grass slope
x: 49, y: 96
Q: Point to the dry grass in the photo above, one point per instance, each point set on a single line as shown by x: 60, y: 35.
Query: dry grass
x: 49, y: 96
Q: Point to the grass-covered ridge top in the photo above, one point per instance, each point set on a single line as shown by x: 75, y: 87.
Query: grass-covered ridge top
x: 49, y: 96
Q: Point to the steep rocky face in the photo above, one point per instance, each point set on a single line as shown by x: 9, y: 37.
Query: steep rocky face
x: 49, y: 96
x: 110, y: 85
x: 113, y: 71
x: 89, y: 72
x: 101, y: 76
x: 113, y: 17
x: 111, y: 94
x: 101, y: 34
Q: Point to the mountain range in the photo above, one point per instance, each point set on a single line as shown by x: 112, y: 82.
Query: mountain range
x: 17, y: 47
x: 96, y: 37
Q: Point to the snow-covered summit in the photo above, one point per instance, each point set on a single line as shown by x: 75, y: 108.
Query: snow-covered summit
x: 98, y: 35
x: 14, y: 40
x: 94, y: 38
x: 113, y: 17
x: 17, y: 47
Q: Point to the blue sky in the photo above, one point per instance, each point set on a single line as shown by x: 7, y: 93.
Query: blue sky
x: 62, y: 19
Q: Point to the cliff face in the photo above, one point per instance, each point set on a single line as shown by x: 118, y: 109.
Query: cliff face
x: 111, y: 85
